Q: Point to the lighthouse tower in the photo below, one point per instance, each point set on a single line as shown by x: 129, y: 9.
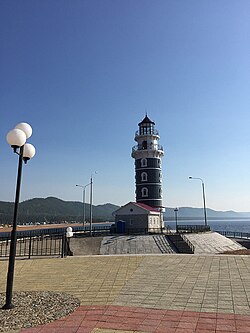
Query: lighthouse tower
x: 147, y: 154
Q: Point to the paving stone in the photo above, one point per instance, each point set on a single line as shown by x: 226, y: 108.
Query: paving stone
x: 177, y: 282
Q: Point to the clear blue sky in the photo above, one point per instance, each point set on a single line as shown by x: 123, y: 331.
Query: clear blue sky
x: 82, y: 73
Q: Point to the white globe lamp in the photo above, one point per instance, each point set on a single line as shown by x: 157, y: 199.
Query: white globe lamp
x: 16, y: 138
x: 28, y: 152
x: 26, y: 128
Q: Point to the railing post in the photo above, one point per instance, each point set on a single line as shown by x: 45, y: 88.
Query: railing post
x: 30, y: 247
x: 63, y: 246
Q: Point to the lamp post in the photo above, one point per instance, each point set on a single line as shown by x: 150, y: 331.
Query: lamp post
x: 91, y: 204
x: 176, y: 213
x: 17, y: 139
x: 83, y: 202
x: 204, y: 200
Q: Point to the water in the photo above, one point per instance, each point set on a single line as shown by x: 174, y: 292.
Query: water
x: 234, y: 225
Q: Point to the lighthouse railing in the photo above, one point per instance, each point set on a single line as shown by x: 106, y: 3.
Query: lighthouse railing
x: 150, y: 131
x: 150, y: 147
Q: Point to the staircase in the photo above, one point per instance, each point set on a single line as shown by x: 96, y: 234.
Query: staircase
x: 163, y: 244
x: 180, y: 243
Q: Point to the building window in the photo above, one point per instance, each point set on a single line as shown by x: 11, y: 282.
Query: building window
x: 160, y: 193
x: 146, y: 129
x: 144, y: 192
x: 143, y: 162
x: 144, y: 177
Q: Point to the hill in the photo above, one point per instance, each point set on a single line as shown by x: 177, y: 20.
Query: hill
x: 196, y: 213
x: 54, y: 210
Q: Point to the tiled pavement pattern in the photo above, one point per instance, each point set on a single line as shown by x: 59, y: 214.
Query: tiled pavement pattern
x: 191, y: 283
x: 190, y: 293
x: 93, y: 279
x: 104, y: 319
x: 212, y: 242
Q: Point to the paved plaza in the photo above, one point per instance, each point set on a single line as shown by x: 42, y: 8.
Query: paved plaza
x: 143, y: 293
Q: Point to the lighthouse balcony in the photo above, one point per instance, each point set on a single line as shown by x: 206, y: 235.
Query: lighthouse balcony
x: 151, y: 147
x: 147, y: 131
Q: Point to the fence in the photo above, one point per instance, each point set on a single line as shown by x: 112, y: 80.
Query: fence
x: 55, y: 231
x: 193, y: 228
x: 53, y: 242
x: 45, y: 245
x: 235, y: 234
x: 140, y: 231
x: 46, y: 242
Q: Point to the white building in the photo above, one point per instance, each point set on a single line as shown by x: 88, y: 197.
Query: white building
x: 138, y: 217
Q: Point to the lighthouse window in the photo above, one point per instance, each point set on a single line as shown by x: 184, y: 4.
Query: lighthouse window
x: 143, y: 162
x: 160, y: 177
x: 144, y: 145
x: 144, y: 177
x: 160, y: 192
x: 144, y: 192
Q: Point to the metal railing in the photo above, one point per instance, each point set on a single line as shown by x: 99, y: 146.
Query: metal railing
x: 39, y: 243
x: 150, y: 131
x: 150, y: 147
x: 51, y: 231
x: 193, y: 228
x: 35, y: 246
x: 234, y: 234
x: 139, y: 231
x: 46, y: 242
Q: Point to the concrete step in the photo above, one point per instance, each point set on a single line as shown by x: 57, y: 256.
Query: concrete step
x: 163, y: 244
x: 179, y: 243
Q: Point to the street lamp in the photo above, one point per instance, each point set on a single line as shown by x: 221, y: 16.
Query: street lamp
x: 17, y: 139
x: 83, y: 201
x: 176, y: 213
x: 91, y: 203
x: 204, y: 200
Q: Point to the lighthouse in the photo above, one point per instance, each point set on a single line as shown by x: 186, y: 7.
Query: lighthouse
x: 148, y: 173
x: 146, y: 214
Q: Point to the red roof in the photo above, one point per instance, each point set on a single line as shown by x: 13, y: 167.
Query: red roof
x: 147, y: 207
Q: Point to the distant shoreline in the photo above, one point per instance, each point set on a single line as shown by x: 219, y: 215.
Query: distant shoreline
x: 48, y: 226
x: 172, y: 219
